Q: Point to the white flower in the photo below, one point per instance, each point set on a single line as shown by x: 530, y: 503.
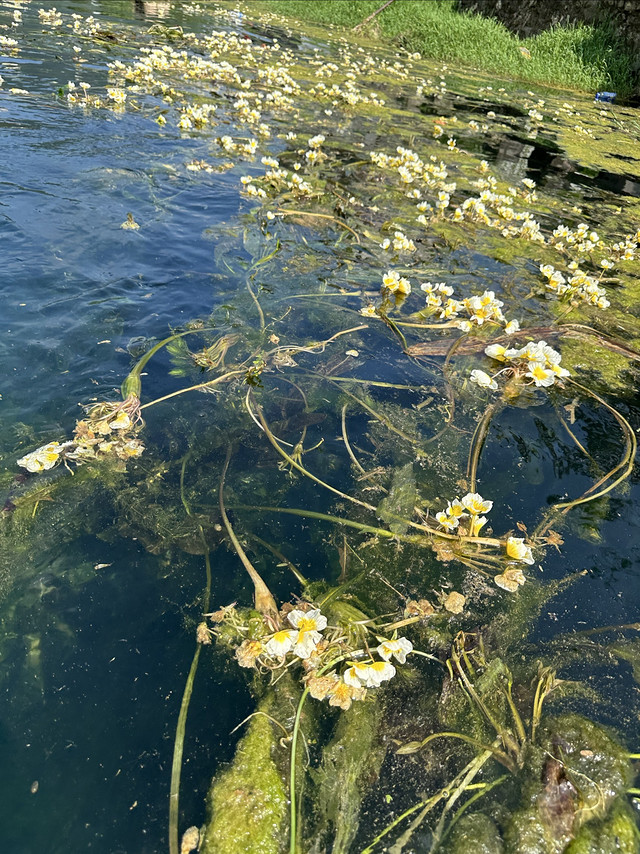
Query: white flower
x: 483, y: 380
x: 517, y: 550
x: 449, y: 523
x: 495, y: 351
x: 309, y: 625
x: 42, y: 458
x: 281, y: 643
x: 512, y: 327
x: 476, y: 504
x: 540, y: 375
x: 399, y: 649
x: 369, y: 675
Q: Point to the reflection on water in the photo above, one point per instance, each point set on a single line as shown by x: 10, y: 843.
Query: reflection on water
x: 102, y: 568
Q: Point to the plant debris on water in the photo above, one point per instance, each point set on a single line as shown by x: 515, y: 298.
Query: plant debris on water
x: 414, y: 383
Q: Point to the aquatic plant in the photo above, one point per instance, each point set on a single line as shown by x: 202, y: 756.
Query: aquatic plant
x: 357, y: 389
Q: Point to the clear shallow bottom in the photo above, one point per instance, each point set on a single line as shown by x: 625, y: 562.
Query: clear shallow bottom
x: 94, y: 667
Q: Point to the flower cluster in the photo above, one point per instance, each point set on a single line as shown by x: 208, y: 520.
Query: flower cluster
x: 107, y: 431
x: 394, y: 283
x: 334, y: 668
x: 579, y: 285
x: 480, y: 308
x: 537, y: 362
x: 471, y: 506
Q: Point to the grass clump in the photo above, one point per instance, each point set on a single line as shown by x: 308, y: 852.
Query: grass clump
x: 575, y: 56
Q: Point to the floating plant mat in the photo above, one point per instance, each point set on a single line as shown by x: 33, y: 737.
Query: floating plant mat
x: 352, y: 480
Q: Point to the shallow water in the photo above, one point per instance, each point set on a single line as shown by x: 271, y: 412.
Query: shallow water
x: 103, y: 592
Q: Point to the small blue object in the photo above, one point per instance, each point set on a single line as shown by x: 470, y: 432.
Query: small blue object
x: 606, y: 97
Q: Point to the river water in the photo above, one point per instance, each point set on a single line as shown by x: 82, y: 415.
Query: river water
x: 101, y: 582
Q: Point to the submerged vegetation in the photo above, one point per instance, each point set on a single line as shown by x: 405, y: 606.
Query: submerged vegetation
x: 421, y: 360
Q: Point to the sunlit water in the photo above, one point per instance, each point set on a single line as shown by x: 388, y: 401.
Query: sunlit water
x: 94, y: 659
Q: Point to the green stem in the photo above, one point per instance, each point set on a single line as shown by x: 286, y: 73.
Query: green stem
x: 292, y: 776
x: 178, y: 747
x: 133, y: 382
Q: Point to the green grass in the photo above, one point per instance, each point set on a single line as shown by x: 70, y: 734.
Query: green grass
x: 577, y: 56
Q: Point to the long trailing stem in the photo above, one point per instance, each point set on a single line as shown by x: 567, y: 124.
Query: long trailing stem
x: 477, y: 441
x: 490, y: 541
x: 428, y: 804
x: 626, y: 464
x: 264, y: 601
x: 178, y: 746
x: 210, y: 384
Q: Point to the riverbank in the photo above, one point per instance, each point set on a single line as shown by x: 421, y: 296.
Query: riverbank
x: 589, y: 58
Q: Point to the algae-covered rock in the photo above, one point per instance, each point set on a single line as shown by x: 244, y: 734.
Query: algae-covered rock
x: 615, y: 834
x: 349, y: 762
x: 570, y: 785
x: 476, y: 832
x: 248, y: 801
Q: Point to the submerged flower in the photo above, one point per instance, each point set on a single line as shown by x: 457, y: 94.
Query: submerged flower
x: 483, y: 380
x: 510, y: 580
x: 399, y: 649
x: 518, y: 550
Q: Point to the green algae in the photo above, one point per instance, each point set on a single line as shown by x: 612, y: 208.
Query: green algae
x: 475, y: 832
x: 350, y: 760
x: 247, y: 802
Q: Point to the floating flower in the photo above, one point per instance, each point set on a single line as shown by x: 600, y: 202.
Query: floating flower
x: 540, y: 375
x: 483, y: 380
x: 476, y: 504
x: 449, y: 523
x: 368, y: 674
x: 42, y: 458
x: 496, y: 351
x: 477, y: 524
x: 518, y: 550
x: 399, y: 649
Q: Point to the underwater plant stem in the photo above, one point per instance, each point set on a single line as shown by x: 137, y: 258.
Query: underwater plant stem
x: 293, y: 839
x: 498, y: 754
x: 484, y: 790
x: 274, y: 551
x: 133, y: 383
x: 477, y: 441
x: 264, y: 601
x: 178, y: 746
x: 626, y: 463
x: 285, y: 212
x: 257, y: 304
x: 345, y: 439
x: 378, y: 416
x: 474, y: 769
x: 209, y: 384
